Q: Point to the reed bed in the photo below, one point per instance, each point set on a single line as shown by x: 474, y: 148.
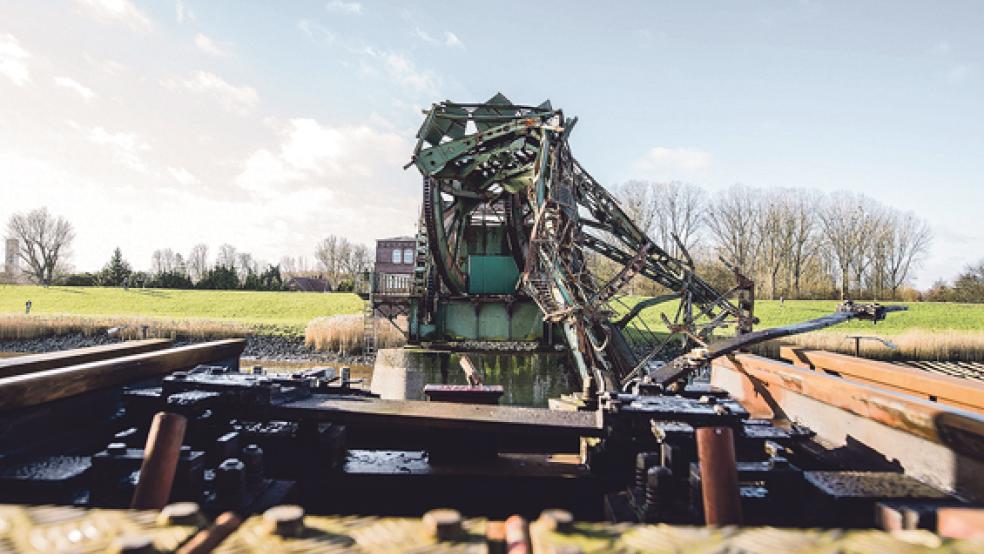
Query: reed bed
x: 20, y: 326
x: 915, y: 344
x: 345, y: 334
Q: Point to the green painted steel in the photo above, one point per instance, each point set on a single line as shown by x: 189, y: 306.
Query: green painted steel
x: 491, y: 321
x: 492, y: 275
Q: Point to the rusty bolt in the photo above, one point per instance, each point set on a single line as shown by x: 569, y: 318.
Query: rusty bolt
x: 558, y: 521
x: 134, y: 544
x: 182, y: 513
x: 285, y: 521
x: 443, y: 524
x: 116, y: 448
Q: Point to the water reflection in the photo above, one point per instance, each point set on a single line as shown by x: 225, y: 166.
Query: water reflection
x: 528, y: 379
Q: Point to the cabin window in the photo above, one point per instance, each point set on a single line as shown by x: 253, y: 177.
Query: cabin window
x: 396, y: 256
x: 407, y: 256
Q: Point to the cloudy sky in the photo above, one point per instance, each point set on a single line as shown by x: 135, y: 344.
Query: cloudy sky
x: 270, y: 125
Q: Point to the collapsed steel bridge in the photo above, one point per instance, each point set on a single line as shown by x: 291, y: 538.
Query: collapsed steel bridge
x: 512, y: 228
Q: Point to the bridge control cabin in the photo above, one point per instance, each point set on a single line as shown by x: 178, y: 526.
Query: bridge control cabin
x: 392, y: 272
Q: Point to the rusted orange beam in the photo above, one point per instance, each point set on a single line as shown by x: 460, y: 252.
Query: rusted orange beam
x: 764, y: 383
x: 953, y: 391
x: 718, y: 476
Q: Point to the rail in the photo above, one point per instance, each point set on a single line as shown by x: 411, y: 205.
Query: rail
x: 952, y: 391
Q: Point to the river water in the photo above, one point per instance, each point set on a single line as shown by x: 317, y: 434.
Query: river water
x: 528, y: 379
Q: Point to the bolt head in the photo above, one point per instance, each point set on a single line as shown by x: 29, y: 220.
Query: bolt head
x: 558, y: 521
x: 232, y: 464
x: 284, y: 521
x: 134, y: 544
x: 182, y: 513
x: 443, y: 524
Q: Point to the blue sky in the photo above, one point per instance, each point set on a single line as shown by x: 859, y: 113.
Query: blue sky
x: 164, y: 124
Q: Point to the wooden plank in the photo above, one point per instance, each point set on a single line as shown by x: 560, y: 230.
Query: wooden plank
x: 441, y: 415
x: 965, y: 393
x: 767, y: 380
x: 44, y: 386
x: 63, y: 358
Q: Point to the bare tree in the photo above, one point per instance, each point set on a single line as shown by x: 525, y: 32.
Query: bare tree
x: 327, y: 255
x: 227, y: 256
x: 678, y: 210
x: 162, y: 261
x: 847, y: 221
x: 772, y: 228
x: 44, y: 242
x: 909, y: 242
x: 802, y: 233
x: 638, y: 202
x: 198, y: 262
x: 732, y: 220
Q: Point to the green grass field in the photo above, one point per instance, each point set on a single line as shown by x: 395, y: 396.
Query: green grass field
x: 286, y: 312
x: 928, y: 316
x: 289, y: 312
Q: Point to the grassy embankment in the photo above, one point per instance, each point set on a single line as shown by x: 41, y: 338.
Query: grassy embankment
x: 334, y: 321
x: 328, y: 321
x: 927, y: 330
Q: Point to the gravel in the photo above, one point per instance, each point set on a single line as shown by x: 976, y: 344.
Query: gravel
x: 260, y: 347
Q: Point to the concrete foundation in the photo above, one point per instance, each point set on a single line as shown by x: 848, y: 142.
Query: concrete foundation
x: 399, y: 374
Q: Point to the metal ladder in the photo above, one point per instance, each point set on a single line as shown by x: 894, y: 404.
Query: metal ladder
x: 369, y: 338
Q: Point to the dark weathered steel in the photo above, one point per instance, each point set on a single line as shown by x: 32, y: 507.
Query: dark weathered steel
x: 31, y: 363
x: 441, y: 415
x: 44, y: 386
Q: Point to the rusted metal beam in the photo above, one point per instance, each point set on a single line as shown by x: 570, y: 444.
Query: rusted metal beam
x: 417, y: 414
x: 21, y: 391
x: 718, y: 476
x: 38, y: 362
x: 167, y: 431
x: 953, y: 391
x: 938, y: 444
x: 929, y: 420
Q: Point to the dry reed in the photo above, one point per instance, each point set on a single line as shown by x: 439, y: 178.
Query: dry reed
x: 345, y: 334
x: 915, y: 344
x: 20, y: 326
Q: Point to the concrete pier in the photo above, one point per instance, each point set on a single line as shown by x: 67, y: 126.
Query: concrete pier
x: 399, y: 374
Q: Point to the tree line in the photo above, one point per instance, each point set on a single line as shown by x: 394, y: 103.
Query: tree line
x: 45, y: 241
x: 793, y: 243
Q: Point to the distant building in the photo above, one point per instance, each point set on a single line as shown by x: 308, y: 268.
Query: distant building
x: 308, y: 284
x: 395, y: 255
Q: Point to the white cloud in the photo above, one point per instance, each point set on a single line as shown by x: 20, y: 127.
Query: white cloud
x: 403, y: 71
x: 315, y: 31
x: 340, y: 6
x: 240, y: 100
x: 126, y: 148
x: 73, y: 85
x: 960, y: 73
x: 13, y: 60
x: 669, y: 162
x: 122, y: 11
x: 211, y: 47
x: 313, y: 155
x: 182, y: 14
x: 452, y: 40
x: 424, y: 35
x: 183, y: 176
